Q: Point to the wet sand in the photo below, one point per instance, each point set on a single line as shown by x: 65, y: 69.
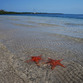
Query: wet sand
x: 17, y: 42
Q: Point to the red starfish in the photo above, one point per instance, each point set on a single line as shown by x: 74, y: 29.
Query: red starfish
x: 54, y: 63
x: 35, y: 59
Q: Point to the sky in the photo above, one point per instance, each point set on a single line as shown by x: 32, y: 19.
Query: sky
x: 49, y: 6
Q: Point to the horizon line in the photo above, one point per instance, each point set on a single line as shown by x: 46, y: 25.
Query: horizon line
x: 37, y: 12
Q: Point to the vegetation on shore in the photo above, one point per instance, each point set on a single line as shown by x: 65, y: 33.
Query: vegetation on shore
x: 2, y: 12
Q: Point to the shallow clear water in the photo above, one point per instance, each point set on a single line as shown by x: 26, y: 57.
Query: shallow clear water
x: 66, y: 26
x: 55, y: 37
x: 43, y: 31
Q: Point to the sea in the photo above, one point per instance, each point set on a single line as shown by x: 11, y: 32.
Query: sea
x: 65, y: 24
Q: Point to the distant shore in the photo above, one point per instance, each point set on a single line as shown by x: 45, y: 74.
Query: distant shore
x: 11, y: 12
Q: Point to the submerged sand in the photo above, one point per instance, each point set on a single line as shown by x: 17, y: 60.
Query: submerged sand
x: 18, y: 42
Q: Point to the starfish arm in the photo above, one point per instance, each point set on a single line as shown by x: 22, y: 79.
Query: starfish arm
x: 52, y: 67
x: 37, y: 61
x: 61, y: 65
x: 45, y: 62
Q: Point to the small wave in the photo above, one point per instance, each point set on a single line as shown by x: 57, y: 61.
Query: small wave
x: 32, y: 22
x: 45, y: 24
x: 42, y: 24
x: 73, y: 24
x: 24, y: 25
x: 14, y: 19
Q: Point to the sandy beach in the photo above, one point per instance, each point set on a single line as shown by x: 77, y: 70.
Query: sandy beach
x: 20, y: 39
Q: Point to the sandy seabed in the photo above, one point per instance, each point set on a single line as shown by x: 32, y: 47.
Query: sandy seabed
x: 18, y: 42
